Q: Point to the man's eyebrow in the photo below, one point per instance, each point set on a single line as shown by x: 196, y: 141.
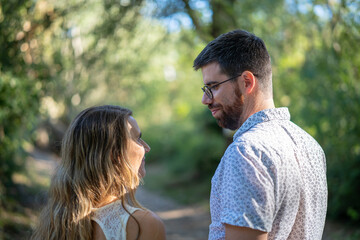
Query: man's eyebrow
x: 211, y: 83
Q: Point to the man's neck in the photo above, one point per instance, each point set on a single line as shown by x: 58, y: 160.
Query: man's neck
x: 254, y: 106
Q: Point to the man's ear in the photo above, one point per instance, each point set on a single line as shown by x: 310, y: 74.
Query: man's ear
x: 249, y: 82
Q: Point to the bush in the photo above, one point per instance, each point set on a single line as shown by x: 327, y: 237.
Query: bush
x: 18, y: 107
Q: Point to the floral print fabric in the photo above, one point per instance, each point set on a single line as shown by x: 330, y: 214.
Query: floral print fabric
x: 271, y: 178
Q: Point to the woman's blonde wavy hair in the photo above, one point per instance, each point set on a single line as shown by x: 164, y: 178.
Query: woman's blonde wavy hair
x: 94, y: 166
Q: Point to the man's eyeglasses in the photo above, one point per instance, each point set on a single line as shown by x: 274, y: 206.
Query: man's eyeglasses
x: 207, y: 89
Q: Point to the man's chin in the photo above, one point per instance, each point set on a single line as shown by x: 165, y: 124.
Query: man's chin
x: 227, y: 125
x: 220, y: 123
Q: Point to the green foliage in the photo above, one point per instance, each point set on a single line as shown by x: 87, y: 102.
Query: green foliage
x: 24, y: 71
x: 333, y: 114
x: 18, y: 104
x: 195, y: 151
x: 345, y: 234
x: 314, y: 48
x: 60, y: 57
x: 189, y: 153
x: 327, y: 104
x: 18, y: 96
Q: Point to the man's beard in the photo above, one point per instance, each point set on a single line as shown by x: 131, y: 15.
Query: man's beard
x: 230, y: 117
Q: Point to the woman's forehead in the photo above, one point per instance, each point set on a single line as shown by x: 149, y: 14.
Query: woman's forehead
x: 132, y: 125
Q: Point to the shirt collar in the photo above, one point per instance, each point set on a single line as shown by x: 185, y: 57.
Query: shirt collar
x: 263, y: 116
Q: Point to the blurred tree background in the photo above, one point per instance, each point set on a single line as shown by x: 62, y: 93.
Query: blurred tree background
x: 58, y: 57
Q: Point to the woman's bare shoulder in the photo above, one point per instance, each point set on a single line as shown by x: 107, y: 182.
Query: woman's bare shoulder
x: 150, y: 225
x: 98, y: 233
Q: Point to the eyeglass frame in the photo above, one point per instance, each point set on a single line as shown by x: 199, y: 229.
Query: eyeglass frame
x: 206, y: 89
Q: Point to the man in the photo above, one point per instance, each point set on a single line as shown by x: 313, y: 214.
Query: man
x: 271, y: 181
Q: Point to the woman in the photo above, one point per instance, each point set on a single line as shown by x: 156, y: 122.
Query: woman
x: 91, y: 195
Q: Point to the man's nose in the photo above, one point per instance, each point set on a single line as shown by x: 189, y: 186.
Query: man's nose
x: 205, y: 99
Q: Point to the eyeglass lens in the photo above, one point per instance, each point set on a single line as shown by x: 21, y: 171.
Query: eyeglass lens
x: 207, y: 91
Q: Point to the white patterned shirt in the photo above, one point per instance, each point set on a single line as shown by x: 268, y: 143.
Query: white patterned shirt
x: 271, y: 178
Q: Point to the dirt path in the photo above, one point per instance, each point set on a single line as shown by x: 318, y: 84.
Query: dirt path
x: 181, y: 222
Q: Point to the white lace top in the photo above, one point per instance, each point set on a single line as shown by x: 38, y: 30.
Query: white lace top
x: 112, y: 219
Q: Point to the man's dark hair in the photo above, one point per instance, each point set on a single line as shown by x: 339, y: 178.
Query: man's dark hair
x: 238, y: 51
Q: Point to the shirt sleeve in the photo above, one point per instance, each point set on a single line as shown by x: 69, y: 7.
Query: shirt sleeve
x: 247, y: 189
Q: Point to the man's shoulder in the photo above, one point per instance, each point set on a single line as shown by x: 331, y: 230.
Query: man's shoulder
x: 279, y: 135
x: 255, y: 135
x: 250, y: 143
